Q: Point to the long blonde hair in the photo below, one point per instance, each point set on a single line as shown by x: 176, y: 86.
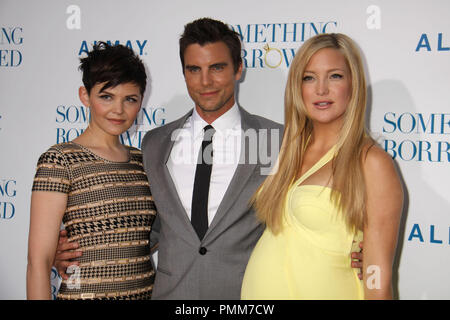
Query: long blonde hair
x: 349, y: 192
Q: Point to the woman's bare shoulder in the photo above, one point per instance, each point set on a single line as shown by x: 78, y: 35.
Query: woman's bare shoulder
x: 374, y: 158
x: 382, y: 180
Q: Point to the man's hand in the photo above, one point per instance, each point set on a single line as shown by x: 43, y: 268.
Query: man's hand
x: 358, y: 264
x: 64, y: 253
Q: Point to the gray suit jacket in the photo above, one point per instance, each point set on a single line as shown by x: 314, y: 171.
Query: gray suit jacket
x: 214, y: 267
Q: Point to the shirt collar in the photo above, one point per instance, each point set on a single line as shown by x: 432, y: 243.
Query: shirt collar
x: 227, y: 122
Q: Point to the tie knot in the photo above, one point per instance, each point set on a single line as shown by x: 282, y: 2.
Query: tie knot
x: 209, y: 132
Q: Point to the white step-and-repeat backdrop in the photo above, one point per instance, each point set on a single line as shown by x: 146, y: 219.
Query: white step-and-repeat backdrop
x: 406, y: 48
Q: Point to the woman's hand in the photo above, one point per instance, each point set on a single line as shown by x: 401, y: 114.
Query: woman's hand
x: 65, y: 252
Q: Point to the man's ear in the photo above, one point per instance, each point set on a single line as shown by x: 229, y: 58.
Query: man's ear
x: 84, y: 96
x: 238, y: 73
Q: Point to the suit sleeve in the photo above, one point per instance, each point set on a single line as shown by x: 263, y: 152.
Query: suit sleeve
x: 154, y: 234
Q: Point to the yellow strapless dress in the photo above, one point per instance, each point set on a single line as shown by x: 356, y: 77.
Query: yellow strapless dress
x: 310, y: 257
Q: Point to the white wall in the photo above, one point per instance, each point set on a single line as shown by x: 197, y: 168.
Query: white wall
x: 406, y: 47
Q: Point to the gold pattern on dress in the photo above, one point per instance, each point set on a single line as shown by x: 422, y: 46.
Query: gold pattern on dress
x: 111, y: 279
x: 50, y: 166
x: 106, y: 202
x: 92, y: 295
x: 52, y: 180
x: 109, y: 185
x: 101, y: 263
x: 99, y: 162
x: 111, y: 216
x: 105, y: 173
x: 116, y: 245
x: 112, y: 231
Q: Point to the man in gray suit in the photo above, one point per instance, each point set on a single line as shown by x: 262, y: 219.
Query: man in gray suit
x: 209, y: 265
x: 202, y: 183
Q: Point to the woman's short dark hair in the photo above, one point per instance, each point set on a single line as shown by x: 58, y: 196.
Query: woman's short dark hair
x: 113, y: 64
x: 205, y: 30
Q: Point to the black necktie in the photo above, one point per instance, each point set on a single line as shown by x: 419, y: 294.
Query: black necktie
x: 199, y: 212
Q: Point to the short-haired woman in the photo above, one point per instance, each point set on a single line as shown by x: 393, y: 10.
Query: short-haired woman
x: 98, y: 188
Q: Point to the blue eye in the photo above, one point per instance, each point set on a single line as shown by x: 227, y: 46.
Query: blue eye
x: 337, y: 76
x: 218, y: 67
x: 131, y: 99
x: 193, y: 69
x: 307, y: 78
x: 105, y: 97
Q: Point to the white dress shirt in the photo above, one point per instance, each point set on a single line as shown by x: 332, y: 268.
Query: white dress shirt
x: 226, y: 144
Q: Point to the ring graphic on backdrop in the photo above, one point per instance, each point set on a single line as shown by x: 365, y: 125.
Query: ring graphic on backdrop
x: 284, y: 39
x: 271, y: 58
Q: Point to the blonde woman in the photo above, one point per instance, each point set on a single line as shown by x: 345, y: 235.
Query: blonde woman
x: 333, y: 184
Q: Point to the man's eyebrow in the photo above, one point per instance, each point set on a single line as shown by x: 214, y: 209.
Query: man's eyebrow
x: 190, y: 66
x: 219, y: 64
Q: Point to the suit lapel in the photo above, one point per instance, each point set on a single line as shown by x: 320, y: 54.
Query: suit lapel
x: 166, y: 147
x: 243, y: 171
x: 165, y: 183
